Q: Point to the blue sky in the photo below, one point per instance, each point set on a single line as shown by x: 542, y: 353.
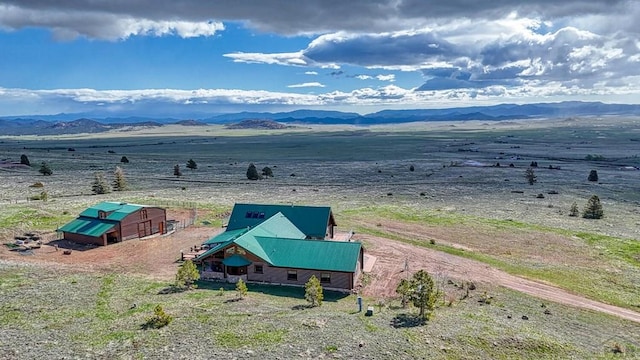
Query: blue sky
x: 186, y: 58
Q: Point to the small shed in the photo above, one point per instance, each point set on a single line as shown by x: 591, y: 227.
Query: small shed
x: 112, y: 222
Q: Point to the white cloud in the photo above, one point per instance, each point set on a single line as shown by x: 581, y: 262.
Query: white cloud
x: 107, y: 26
x: 308, y: 84
x: 311, y: 73
x: 388, y: 77
x: 161, y: 102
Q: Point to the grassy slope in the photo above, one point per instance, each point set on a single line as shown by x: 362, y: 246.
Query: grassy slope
x: 612, y: 279
x: 88, y: 314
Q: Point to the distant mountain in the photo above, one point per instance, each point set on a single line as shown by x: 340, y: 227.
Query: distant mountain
x: 256, y: 124
x: 44, y: 125
x: 79, y: 126
x: 190, y: 123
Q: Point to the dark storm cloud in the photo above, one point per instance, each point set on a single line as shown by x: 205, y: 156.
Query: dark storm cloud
x: 287, y: 17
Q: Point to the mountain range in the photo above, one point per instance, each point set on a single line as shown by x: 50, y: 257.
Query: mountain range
x: 91, y: 123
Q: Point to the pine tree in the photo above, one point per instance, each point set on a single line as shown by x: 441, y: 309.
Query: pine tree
x: 252, y: 172
x: 593, y: 210
x: 530, y: 176
x: 45, y: 169
x: 99, y: 185
x: 119, y: 181
x: 423, y: 293
x: 573, y: 211
x: 176, y: 171
x: 187, y: 275
x: 404, y: 290
x: 593, y: 175
x: 124, y: 160
x: 313, y: 291
x: 192, y: 164
x: 241, y: 288
x: 24, y: 160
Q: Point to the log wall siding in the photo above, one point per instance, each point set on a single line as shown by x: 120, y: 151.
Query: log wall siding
x: 129, y: 225
x: 84, y: 239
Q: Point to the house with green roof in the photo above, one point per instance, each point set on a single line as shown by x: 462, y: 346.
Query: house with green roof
x: 275, y: 250
x: 111, y: 222
x: 316, y: 222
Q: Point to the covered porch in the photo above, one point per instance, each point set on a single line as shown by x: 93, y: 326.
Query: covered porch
x: 230, y: 269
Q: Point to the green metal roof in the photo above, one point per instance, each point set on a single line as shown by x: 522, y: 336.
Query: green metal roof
x: 278, y: 242
x: 236, y: 260
x: 115, y: 210
x: 276, y: 226
x: 88, y: 226
x: 311, y: 254
x: 225, y: 236
x: 311, y: 220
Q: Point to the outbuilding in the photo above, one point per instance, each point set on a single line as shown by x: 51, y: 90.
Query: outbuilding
x: 112, y: 222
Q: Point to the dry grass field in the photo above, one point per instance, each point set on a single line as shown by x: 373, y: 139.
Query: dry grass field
x: 456, y: 214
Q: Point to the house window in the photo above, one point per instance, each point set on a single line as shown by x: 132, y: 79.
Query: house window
x: 102, y: 215
x: 292, y: 275
x: 261, y: 215
x: 325, y: 278
x: 254, y: 215
x: 257, y: 269
x: 143, y: 214
x: 248, y: 214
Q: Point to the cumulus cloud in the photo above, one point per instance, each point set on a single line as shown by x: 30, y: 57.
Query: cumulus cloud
x: 311, y: 16
x: 101, y: 25
x: 173, y: 101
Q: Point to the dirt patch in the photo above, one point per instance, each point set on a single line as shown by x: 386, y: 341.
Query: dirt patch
x: 395, y: 260
x: 154, y: 257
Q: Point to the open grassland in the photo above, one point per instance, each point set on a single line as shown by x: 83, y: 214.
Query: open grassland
x: 455, y: 201
x: 57, y: 314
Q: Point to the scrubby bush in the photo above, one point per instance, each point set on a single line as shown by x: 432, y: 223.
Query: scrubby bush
x: 124, y: 160
x: 45, y: 169
x: 159, y: 319
x: 593, y: 175
x: 241, y: 289
x: 176, y: 171
x: 267, y: 172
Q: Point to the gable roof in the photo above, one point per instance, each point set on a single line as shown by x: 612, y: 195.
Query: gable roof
x: 115, y: 210
x: 88, y: 226
x: 280, y: 243
x: 276, y: 226
x: 311, y: 220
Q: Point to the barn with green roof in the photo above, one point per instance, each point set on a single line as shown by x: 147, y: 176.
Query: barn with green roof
x: 281, y: 248
x: 111, y: 222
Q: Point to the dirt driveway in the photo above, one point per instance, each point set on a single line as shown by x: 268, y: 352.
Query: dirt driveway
x: 392, y: 257
x: 157, y: 257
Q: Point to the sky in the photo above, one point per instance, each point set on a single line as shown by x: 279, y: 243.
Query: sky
x: 192, y: 58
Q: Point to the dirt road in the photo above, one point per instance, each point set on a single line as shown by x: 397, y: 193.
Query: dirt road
x: 393, y: 257
x: 156, y: 258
